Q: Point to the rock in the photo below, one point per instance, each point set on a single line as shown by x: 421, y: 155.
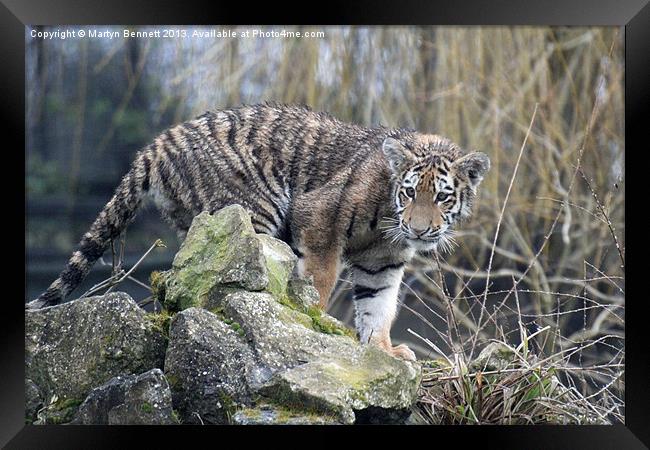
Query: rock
x: 34, y: 400
x: 210, y: 367
x: 281, y: 336
x: 276, y: 415
x: 222, y: 252
x: 495, y: 356
x: 279, y: 261
x: 74, y: 347
x: 242, y: 340
x: 143, y: 399
x: 254, y: 345
x: 303, y: 292
x: 371, y: 384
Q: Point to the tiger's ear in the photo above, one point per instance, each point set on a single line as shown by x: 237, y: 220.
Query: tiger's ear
x: 395, y: 153
x: 473, y: 166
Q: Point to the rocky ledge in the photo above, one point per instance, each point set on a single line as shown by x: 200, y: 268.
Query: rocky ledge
x: 240, y: 340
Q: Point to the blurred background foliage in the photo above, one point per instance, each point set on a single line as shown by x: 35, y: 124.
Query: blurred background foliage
x: 92, y: 103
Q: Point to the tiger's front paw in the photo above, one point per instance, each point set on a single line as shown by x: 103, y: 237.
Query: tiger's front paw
x: 402, y: 351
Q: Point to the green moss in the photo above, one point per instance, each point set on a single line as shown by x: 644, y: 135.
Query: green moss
x: 176, y: 417
x: 107, y: 346
x: 288, y: 302
x: 218, y: 311
x: 324, y: 324
x: 251, y: 413
x: 213, y: 230
x: 288, y: 315
x: 278, y: 278
x: 282, y: 414
x: 66, y: 403
x: 435, y: 365
x: 187, y: 288
x: 236, y: 327
x: 160, y: 321
x: 228, y: 405
x: 158, y: 285
x: 59, y: 419
x: 211, y: 244
x: 146, y: 408
x: 319, y: 321
x: 283, y: 397
x: 173, y: 381
x: 359, y: 377
x: 61, y: 411
x: 279, y: 263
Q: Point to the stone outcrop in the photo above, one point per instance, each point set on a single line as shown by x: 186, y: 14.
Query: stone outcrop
x: 74, y: 347
x: 241, y: 341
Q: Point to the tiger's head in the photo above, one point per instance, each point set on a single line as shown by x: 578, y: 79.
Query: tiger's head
x: 434, y: 186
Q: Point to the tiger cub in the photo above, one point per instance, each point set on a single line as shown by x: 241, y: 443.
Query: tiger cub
x: 339, y: 194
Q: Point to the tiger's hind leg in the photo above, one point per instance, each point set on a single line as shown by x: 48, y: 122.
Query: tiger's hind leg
x: 174, y: 214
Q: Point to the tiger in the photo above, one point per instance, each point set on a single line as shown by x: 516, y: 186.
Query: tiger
x: 341, y: 195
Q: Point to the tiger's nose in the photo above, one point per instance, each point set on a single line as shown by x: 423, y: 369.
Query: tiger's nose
x: 420, y: 231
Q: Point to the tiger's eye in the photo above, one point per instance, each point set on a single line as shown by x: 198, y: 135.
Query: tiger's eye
x: 441, y: 197
x: 410, y: 192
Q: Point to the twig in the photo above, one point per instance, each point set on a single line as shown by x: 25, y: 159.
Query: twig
x: 496, y: 233
x: 158, y: 243
x: 609, y: 222
x: 117, y: 278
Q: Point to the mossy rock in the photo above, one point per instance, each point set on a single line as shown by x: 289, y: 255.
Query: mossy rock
x: 160, y: 322
x: 267, y: 414
x: 209, y: 366
x: 76, y: 346
x: 34, y: 401
x: 370, y: 384
x: 59, y: 411
x: 302, y: 292
x: 223, y: 252
x: 330, y: 374
x: 220, y: 362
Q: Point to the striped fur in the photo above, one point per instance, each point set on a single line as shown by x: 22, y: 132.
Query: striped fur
x: 337, y: 193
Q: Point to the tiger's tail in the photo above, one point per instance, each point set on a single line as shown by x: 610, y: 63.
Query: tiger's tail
x: 108, y: 225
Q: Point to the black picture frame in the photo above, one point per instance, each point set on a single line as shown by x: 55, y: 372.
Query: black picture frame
x: 632, y: 15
